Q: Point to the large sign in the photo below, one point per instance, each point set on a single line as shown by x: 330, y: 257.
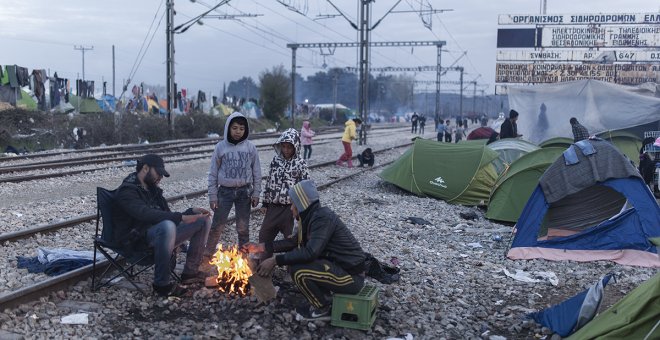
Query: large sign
x: 581, y: 55
x: 626, y: 74
x: 573, y: 19
x: 622, y: 48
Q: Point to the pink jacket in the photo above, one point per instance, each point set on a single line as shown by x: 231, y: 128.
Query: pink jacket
x: 306, y: 134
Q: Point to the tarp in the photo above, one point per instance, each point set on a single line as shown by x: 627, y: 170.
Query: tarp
x: 107, y: 103
x: 513, y: 188
x: 457, y: 173
x: 636, y: 316
x: 84, y: 105
x: 598, y: 105
x: 587, y: 208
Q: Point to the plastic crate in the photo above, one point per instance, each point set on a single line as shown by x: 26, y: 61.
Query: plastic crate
x: 355, y: 311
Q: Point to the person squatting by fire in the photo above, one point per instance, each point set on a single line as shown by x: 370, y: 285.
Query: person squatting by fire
x: 323, y: 256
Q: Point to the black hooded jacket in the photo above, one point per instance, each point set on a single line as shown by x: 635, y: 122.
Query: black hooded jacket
x: 324, y: 236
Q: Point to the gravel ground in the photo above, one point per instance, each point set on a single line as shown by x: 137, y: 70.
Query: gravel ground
x: 452, y: 282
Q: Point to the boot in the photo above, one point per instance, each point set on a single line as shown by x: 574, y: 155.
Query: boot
x: 350, y: 163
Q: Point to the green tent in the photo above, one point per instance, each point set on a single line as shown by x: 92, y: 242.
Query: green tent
x: 84, y: 105
x: 509, y: 150
x: 562, y: 142
x: 26, y: 102
x: 457, y: 173
x: 636, y: 316
x: 628, y: 143
x: 514, y: 187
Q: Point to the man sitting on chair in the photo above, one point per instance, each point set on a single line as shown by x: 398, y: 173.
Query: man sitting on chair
x: 144, y: 220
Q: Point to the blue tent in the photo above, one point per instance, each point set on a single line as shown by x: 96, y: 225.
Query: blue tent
x: 107, y: 103
x: 567, y: 317
x: 590, y: 204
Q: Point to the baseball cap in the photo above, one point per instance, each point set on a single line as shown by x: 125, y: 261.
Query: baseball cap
x: 155, y: 162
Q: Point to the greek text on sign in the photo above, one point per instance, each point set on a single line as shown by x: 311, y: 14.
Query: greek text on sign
x: 575, y: 19
x: 584, y: 55
x: 601, y: 36
x: 625, y: 74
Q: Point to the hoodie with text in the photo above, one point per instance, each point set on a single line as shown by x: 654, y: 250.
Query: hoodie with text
x: 234, y: 163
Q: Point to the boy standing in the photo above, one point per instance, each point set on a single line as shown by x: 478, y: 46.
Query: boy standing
x: 234, y: 179
x: 286, y: 169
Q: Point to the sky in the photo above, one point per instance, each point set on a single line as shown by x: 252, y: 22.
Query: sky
x: 43, y: 34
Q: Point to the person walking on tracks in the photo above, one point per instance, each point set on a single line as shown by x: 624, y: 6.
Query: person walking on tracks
x: 346, y: 140
x: 145, y: 220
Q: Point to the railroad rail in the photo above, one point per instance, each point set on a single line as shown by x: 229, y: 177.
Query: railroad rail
x: 34, y: 291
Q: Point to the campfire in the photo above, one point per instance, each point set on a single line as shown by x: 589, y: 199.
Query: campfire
x: 233, y: 271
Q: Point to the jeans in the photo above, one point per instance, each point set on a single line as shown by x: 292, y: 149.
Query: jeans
x: 239, y: 197
x: 165, y: 236
x: 307, y: 153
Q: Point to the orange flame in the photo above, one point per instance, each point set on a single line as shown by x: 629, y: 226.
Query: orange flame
x: 233, y: 271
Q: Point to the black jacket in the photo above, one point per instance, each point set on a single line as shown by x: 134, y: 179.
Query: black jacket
x: 508, y: 129
x: 324, y: 236
x: 138, y: 209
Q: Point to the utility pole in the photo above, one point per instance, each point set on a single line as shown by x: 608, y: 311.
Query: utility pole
x: 363, y: 93
x: 334, y: 97
x: 438, y: 73
x: 294, y: 47
x: 474, y: 97
x: 113, y: 71
x: 169, y: 46
x: 460, y: 110
x: 83, y: 49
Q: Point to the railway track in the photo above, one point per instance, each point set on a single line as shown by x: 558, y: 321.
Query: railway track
x: 52, y: 284
x: 119, y: 159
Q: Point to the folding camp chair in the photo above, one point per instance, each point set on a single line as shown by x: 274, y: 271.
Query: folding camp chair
x: 129, y: 264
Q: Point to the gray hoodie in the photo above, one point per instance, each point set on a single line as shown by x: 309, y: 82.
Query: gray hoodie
x: 234, y: 163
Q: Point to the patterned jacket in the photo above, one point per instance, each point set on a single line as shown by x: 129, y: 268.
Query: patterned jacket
x: 284, y: 173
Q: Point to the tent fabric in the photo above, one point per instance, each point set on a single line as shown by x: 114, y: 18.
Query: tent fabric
x: 598, y: 105
x: 636, y: 316
x: 509, y: 150
x: 26, y: 101
x: 84, y: 105
x: 557, y: 142
x: 457, y: 173
x: 628, y: 143
x: 483, y: 132
x: 573, y: 313
x: 514, y: 187
x: 107, y: 103
x: 590, y: 211
x: 561, y: 180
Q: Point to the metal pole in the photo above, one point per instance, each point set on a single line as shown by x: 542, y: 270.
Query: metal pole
x: 334, y: 98
x: 437, y: 80
x: 83, y: 49
x: 474, y: 97
x: 113, y: 71
x: 169, y: 27
x: 460, y: 113
x: 364, y: 67
x: 293, y: 82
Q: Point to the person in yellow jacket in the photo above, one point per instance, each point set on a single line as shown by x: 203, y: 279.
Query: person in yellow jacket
x: 350, y: 133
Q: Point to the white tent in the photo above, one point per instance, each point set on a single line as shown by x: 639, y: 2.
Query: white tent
x: 545, y: 110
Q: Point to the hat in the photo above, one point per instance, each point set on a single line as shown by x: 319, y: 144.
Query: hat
x: 155, y: 162
x: 303, y: 194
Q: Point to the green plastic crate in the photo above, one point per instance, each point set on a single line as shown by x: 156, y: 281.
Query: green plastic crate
x: 355, y: 311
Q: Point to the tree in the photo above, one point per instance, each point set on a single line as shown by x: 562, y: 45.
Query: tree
x: 275, y: 92
x: 243, y: 88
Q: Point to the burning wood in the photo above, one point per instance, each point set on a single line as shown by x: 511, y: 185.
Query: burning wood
x: 233, y: 271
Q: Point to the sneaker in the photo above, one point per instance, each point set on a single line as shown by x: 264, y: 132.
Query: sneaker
x: 171, y: 289
x: 197, y: 277
x: 313, y: 313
